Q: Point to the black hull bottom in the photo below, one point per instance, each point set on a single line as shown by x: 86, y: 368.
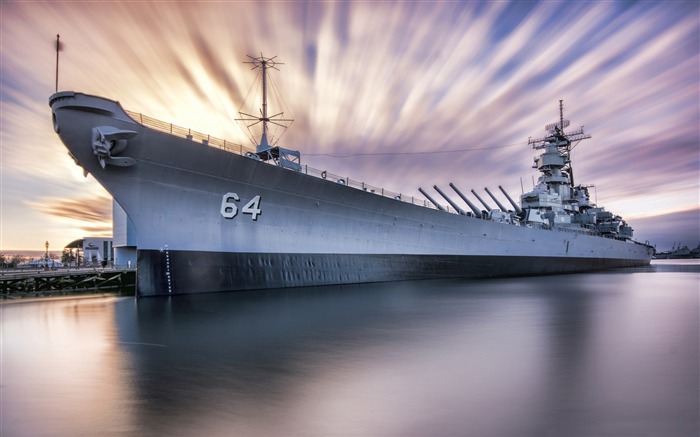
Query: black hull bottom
x: 185, y: 272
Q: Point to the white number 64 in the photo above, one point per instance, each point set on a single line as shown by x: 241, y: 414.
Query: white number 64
x: 229, y: 209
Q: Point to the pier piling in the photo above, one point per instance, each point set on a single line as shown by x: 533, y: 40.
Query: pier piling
x: 18, y: 284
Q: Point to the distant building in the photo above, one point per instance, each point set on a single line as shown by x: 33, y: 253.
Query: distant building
x: 91, y: 251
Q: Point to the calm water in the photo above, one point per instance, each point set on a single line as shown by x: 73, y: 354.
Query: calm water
x: 605, y: 354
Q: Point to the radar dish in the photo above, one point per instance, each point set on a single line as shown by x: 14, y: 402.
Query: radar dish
x: 559, y: 124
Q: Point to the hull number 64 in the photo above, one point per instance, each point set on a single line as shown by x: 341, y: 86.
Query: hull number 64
x: 229, y: 209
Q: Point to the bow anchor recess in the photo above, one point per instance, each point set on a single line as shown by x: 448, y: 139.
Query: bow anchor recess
x: 108, y: 142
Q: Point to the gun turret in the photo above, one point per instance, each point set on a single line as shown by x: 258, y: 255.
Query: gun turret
x: 454, y: 205
x: 488, y: 208
x: 515, y: 205
x: 437, y: 205
x: 473, y: 207
x: 500, y: 205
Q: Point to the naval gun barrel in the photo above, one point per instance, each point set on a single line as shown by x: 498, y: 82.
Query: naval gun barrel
x: 515, y: 205
x: 437, y: 205
x: 500, y: 205
x: 454, y: 205
x: 488, y: 208
x: 473, y: 207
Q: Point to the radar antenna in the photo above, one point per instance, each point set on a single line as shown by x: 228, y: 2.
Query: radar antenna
x: 562, y: 140
x: 263, y: 63
x: 555, y: 128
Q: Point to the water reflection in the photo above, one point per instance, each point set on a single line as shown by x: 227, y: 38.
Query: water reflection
x: 62, y: 369
x: 604, y: 354
x: 335, y: 360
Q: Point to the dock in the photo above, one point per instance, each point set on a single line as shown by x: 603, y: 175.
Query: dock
x: 33, y: 283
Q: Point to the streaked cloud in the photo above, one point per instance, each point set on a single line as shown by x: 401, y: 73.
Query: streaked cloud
x: 93, y: 215
x: 365, y: 77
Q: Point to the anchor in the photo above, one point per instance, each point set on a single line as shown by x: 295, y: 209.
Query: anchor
x: 108, y: 141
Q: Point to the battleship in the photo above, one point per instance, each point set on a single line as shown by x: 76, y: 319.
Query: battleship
x: 209, y: 215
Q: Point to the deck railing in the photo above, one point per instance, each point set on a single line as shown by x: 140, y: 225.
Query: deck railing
x: 229, y: 146
x: 199, y: 137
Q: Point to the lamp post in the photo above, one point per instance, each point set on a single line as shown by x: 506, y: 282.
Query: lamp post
x: 46, y: 255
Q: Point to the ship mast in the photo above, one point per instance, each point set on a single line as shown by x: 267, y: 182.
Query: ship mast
x: 263, y: 64
x: 559, y: 140
x: 560, y: 131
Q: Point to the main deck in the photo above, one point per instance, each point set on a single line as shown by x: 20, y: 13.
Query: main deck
x: 232, y: 147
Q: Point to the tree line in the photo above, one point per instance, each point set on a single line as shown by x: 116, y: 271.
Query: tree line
x: 11, y: 261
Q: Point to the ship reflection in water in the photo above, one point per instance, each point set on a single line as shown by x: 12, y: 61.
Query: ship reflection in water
x: 604, y: 354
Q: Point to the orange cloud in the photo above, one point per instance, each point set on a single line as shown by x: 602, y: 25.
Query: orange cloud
x: 95, y: 211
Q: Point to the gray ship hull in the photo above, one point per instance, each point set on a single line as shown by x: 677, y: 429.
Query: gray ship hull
x: 189, y: 271
x: 210, y: 220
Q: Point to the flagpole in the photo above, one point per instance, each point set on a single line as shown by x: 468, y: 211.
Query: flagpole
x: 57, y: 50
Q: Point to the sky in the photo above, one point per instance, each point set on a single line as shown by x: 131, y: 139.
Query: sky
x: 399, y: 95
